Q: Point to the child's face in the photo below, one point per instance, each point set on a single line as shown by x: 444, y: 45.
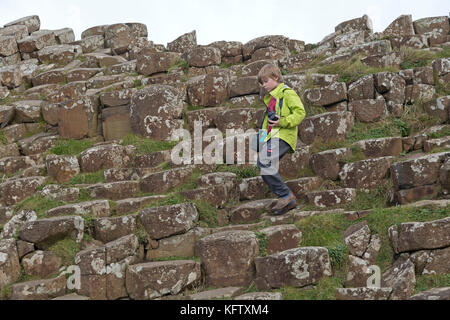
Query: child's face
x: 269, y: 84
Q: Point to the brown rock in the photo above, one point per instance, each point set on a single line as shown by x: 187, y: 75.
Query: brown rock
x: 419, y: 92
x: 281, y: 238
x: 372, y: 48
x: 207, y: 117
x: 62, y: 54
x: 62, y: 168
x: 116, y: 122
x: 362, y: 89
x: 253, y: 68
x: 94, y: 31
x: 16, y: 190
x: 114, y: 190
x: 107, y: 156
x: 82, y: 74
x: 252, y: 189
x: 228, y: 257
x: 39, y: 289
x: 326, y: 164
x: 330, y: 198
x: 268, y: 53
x: 149, y: 63
x: 9, y: 263
x: 413, y: 236
x: 41, y: 263
x: 12, y: 165
x: 363, y: 293
x: 275, y: 41
x: 383, y: 147
x: 401, y: 278
x: 209, y: 90
x: 293, y: 162
x: 357, y: 238
x: 417, y: 172
x: 184, y: 43
x: 17, y: 31
x: 154, y: 112
x: 417, y: 193
x: 243, y: 86
x: 166, y: 221
x: 9, y: 150
x: 77, y: 119
x: 8, y: 46
x: 57, y: 192
x: 402, y: 26
x: 437, y: 262
x: 43, y: 233
x: 217, y: 196
x: 433, y: 294
x: 298, y: 267
x: 333, y: 93
x: 161, y: 182
x: 38, y: 143
x: 303, y: 185
x: 439, y: 108
x: 70, y: 91
x: 372, y: 250
x: 365, y: 173
x: 203, y: 57
x: 36, y: 41
x: 152, y: 280
x: 99, y: 208
x: 251, y: 211
x: 118, y: 37
x: 325, y: 127
x: 358, y: 273
x: 364, y: 23
x: 368, y: 110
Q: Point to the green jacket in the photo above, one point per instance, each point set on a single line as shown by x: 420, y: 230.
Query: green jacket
x: 293, y: 112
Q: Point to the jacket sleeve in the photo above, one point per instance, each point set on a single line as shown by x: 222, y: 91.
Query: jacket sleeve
x: 298, y: 113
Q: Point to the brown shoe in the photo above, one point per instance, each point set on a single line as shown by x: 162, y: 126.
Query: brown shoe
x: 284, y: 205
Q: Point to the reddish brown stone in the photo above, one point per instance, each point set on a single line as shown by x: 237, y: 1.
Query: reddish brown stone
x: 149, y: 63
x: 326, y: 164
x: 209, y: 90
x: 323, y: 96
x: 365, y: 173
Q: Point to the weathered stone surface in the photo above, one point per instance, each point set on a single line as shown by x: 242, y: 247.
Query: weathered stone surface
x: 114, y: 190
x: 303, y: 185
x: 402, y: 26
x: 39, y: 289
x: 364, y: 23
x: 217, y: 196
x: 358, y: 273
x: 417, y: 193
x: 163, y: 222
x: 436, y: 28
x: 363, y: 293
x: 444, y: 177
x: 323, y: 96
x: 32, y: 23
x: 228, y: 257
x: 382, y: 147
x: 251, y: 211
x: 152, y: 280
x: 260, y: 296
x: 182, y: 245
x: 372, y: 249
x: 62, y: 168
x: 221, y: 293
x: 9, y: 263
x: 117, y: 37
x: 14, y: 223
x: 243, y: 86
x: 9, y: 150
x: 36, y: 41
x: 171, y: 178
x: 38, y: 143
x: 82, y: 74
x: 357, y: 238
x: 60, y: 193
x: 365, y: 173
x: 297, y: 267
x: 413, y: 236
x: 43, y: 233
x: 117, y: 98
x: 11, y: 77
x: 349, y: 39
x: 330, y: 198
x: 275, y: 41
x: 78, y: 119
x: 70, y: 91
x: 326, y: 164
x: 209, y: 90
x: 372, y: 48
x: 12, y: 165
x: 107, y: 156
x: 203, y: 57
x: 184, y: 43
x: 362, y: 89
x: 125, y: 67
x: 228, y: 48
x: 16, y: 190
x: 437, y: 262
x: 110, y: 229
x: 155, y: 111
x: 417, y: 172
x: 253, y: 68
x: 17, y: 31
x: 41, y: 263
x: 293, y: 162
x: 401, y: 278
x: 149, y: 63
x: 439, y: 108
x: 326, y: 127
x: 419, y: 92
x: 433, y: 294
x: 252, y: 189
x: 281, y: 238
x: 6, y: 115
x: 8, y: 46
x: 268, y: 53
x: 98, y: 208
x: 372, y: 110
x: 62, y: 54
x: 55, y: 76
x: 235, y: 119
x: 93, y: 31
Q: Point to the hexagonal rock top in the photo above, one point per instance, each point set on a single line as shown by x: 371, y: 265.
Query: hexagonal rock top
x: 106, y: 157
x: 414, y: 236
x: 152, y: 280
x: 163, y: 222
x: 228, y: 257
x: 297, y: 267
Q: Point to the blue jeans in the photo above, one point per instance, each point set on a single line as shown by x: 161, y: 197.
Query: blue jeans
x: 268, y: 160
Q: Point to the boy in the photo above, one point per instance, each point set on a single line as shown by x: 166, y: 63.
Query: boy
x: 282, y: 133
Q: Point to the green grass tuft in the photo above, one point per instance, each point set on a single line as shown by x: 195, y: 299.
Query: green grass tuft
x: 144, y: 145
x: 70, y: 147
x: 66, y: 249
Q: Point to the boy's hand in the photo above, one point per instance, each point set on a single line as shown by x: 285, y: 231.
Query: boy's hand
x: 275, y: 123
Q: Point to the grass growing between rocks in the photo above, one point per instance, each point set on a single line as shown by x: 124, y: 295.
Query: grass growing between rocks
x: 327, y: 231
x: 66, y: 249
x: 88, y: 178
x: 144, y: 145
x: 70, y: 147
x: 415, y: 58
x: 3, y: 139
x: 241, y: 172
x: 39, y: 204
x: 426, y: 282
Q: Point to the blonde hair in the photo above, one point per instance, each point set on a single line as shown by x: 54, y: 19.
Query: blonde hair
x: 270, y: 71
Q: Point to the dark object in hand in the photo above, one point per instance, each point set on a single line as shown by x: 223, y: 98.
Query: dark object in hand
x: 273, y: 116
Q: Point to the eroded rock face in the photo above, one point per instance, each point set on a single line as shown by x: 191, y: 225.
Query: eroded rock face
x: 167, y: 221
x: 209, y: 90
x: 155, y: 112
x: 16, y: 190
x: 363, y: 293
x: 325, y: 127
x: 401, y: 278
x: 433, y: 294
x: 62, y: 168
x: 184, y: 43
x: 107, y: 156
x: 297, y: 267
x: 9, y: 262
x: 323, y: 96
x: 39, y: 289
x: 413, y: 236
x: 41, y: 263
x: 365, y: 173
x: 228, y: 257
x: 152, y: 280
